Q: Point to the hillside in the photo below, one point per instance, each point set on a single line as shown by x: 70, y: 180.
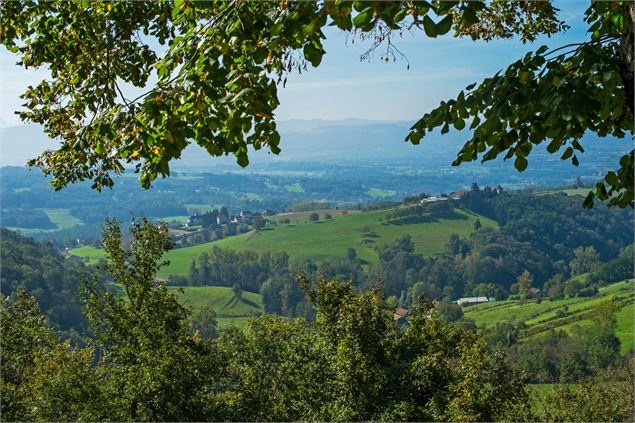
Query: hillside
x: 331, y: 238
x: 229, y: 309
x: 540, y: 317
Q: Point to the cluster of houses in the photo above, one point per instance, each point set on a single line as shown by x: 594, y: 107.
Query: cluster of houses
x: 245, y: 217
x: 457, y: 195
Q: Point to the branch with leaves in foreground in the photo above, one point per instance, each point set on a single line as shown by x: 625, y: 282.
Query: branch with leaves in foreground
x: 217, y: 76
x: 553, y: 97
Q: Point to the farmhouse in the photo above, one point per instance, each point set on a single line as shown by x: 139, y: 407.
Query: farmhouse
x: 195, y: 219
x: 471, y: 300
x: 456, y: 195
x: 534, y: 292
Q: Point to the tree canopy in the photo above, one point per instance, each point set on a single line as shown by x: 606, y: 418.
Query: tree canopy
x: 217, y: 81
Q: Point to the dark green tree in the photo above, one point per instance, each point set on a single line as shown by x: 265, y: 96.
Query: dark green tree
x: 259, y: 222
x: 351, y: 254
x: 156, y: 370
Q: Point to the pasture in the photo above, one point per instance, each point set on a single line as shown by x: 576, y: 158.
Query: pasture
x: 330, y: 239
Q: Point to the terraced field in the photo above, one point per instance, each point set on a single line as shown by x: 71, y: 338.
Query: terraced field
x: 540, y: 317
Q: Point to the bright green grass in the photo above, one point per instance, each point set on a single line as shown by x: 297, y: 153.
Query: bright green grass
x: 568, y: 191
x: 221, y: 299
x: 62, y: 218
x: 297, y: 187
x: 625, y: 330
x: 330, y: 239
x: 92, y: 254
x: 303, y: 217
x: 380, y: 193
x: 180, y: 219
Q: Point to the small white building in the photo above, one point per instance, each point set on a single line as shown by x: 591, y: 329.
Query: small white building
x: 471, y: 300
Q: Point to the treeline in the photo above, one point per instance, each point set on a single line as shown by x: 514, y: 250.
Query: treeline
x: 540, y: 234
x: 269, y: 274
x: 38, y: 269
x: 26, y: 218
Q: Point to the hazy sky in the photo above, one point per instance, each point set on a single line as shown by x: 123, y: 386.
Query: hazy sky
x: 344, y: 87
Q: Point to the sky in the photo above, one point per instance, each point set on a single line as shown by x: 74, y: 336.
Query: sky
x: 344, y: 87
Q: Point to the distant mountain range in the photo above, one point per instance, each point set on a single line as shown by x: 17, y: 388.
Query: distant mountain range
x: 354, y: 142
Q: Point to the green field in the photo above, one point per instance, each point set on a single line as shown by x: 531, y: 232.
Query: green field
x: 169, y: 219
x: 91, y: 254
x: 329, y: 239
x: 297, y: 187
x: 221, y: 299
x: 223, y: 322
x: 230, y: 310
x: 568, y: 191
x: 303, y: 217
x: 380, y: 193
x: 540, y: 317
x: 62, y: 218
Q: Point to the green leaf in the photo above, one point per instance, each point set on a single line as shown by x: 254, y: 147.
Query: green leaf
x: 475, y: 122
x: 313, y: 54
x: 553, y: 146
x: 364, y: 18
x: 611, y: 178
x: 567, y: 153
x: 444, y: 25
x: 469, y: 17
x: 99, y: 148
x: 520, y: 164
x: 588, y: 201
x: 429, y: 27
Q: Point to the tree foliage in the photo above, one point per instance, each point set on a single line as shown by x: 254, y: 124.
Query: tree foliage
x: 553, y: 96
x: 353, y: 363
x: 218, y: 78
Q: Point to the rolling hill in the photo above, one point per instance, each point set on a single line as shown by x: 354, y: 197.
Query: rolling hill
x: 327, y: 239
